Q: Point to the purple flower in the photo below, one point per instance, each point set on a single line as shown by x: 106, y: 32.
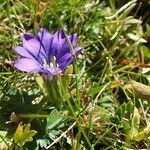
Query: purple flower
x: 46, y: 53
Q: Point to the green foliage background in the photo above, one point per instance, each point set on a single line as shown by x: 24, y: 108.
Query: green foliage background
x: 103, y: 108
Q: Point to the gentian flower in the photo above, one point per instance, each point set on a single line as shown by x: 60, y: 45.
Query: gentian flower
x: 46, y: 53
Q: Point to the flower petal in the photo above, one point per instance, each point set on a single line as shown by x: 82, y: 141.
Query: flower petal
x: 73, y: 39
x: 37, y: 52
x: 60, y: 43
x: 27, y: 37
x: 59, y: 34
x: 46, y: 39
x: 36, y: 49
x: 23, y: 52
x: 28, y: 65
x: 62, y: 48
x: 67, y: 58
x: 33, y: 46
x: 57, y: 39
x: 77, y: 50
x: 64, y: 61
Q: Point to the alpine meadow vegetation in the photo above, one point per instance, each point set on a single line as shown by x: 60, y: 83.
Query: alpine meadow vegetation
x: 74, y: 74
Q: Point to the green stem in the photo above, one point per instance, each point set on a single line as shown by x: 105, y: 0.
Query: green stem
x: 33, y: 116
x: 77, y: 84
x: 79, y: 124
x: 123, y: 68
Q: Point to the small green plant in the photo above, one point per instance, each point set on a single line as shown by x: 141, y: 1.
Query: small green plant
x: 23, y: 134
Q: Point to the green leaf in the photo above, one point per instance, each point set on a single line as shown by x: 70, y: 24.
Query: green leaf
x: 136, y: 119
x: 4, y: 141
x: 28, y: 134
x: 130, y: 107
x: 136, y: 38
x: 23, y: 134
x: 41, y: 83
x: 126, y: 125
x: 66, y: 77
x: 121, y: 111
x: 140, y: 136
x: 132, y: 132
x: 146, y: 51
x: 102, y: 113
x: 18, y: 133
x: 43, y: 142
x: 128, y: 9
x: 94, y: 90
x: 53, y: 134
x: 51, y: 89
x: 54, y: 119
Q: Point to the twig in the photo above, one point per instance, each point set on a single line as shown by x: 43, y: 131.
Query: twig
x: 63, y: 134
